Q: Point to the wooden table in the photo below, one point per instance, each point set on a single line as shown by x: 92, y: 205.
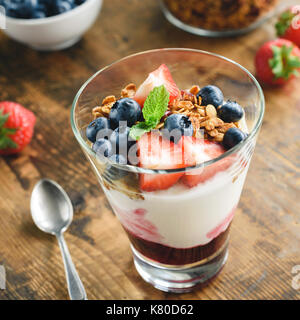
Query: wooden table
x: 265, y: 236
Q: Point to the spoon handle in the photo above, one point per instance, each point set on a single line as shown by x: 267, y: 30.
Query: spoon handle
x: 75, y: 286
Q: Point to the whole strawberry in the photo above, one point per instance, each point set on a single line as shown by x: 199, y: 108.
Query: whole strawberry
x: 277, y: 62
x: 288, y: 25
x: 16, y: 127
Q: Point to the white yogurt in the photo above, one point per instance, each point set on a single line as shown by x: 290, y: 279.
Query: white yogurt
x: 181, y: 217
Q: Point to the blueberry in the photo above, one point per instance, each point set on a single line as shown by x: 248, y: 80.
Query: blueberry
x: 103, y: 147
x: 11, y: 12
x: 232, y: 137
x: 79, y: 2
x: 61, y: 6
x: 46, y: 2
x: 94, y: 128
x: 25, y: 8
x: 38, y: 15
x: 231, y: 111
x: 4, y: 3
x: 35, y: 9
x: 113, y: 172
x: 211, y: 95
x: 12, y: 9
x: 121, y: 141
x: 176, y: 126
x: 125, y: 109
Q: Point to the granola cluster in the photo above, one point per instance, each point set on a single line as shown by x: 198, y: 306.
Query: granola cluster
x: 108, y: 102
x: 219, y: 14
x: 204, y: 118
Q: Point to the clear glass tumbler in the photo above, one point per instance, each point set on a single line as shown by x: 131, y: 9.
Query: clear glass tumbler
x: 179, y: 237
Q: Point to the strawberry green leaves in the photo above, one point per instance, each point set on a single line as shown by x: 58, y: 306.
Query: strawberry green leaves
x: 155, y: 107
x: 284, y: 63
x: 284, y: 22
x: 5, y: 141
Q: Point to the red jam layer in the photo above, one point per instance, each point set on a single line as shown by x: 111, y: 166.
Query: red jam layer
x: 174, y: 256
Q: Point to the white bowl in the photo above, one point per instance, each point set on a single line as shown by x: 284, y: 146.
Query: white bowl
x: 57, y: 32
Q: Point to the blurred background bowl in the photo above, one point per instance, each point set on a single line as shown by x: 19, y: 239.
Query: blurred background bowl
x: 57, y: 32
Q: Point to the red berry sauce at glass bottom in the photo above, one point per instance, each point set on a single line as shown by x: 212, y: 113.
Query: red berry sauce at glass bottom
x: 176, y: 256
x: 173, y: 256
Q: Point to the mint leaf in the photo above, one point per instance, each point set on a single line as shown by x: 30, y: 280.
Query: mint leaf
x: 155, y: 107
x: 156, y: 104
x: 139, y: 129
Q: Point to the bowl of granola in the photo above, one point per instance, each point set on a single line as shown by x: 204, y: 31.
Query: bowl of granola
x: 216, y: 18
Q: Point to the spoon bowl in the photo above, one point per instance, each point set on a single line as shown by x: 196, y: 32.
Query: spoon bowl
x: 51, y: 208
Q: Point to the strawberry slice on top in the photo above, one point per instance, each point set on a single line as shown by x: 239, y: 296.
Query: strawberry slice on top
x: 161, y: 76
x: 155, y: 152
x: 197, y: 151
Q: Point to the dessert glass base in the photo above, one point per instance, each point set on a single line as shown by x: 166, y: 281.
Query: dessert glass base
x: 180, y: 279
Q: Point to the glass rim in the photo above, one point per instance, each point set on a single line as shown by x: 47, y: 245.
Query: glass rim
x: 137, y: 169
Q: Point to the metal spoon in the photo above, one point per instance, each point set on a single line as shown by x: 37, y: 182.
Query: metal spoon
x: 52, y: 212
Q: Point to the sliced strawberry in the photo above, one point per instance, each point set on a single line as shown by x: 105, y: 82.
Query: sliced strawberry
x: 197, y: 151
x: 161, y: 76
x: 158, y: 153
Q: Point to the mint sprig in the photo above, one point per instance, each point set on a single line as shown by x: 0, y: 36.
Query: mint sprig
x: 155, y: 107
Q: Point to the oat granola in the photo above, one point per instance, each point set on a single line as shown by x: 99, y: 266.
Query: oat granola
x: 202, y: 117
x: 219, y: 14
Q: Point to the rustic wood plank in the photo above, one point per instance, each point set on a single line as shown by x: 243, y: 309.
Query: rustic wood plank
x: 265, y: 234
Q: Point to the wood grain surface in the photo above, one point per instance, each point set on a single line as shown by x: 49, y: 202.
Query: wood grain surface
x: 265, y: 235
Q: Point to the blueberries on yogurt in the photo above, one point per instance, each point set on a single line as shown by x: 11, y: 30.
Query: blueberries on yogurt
x: 211, y: 95
x: 103, y: 148
x: 121, y: 141
x: 37, y: 9
x: 232, y: 137
x: 178, y: 125
x: 125, y: 110
x: 110, y: 137
x: 231, y: 111
x: 99, y: 128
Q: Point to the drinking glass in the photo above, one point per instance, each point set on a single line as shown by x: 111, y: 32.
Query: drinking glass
x: 179, y: 237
